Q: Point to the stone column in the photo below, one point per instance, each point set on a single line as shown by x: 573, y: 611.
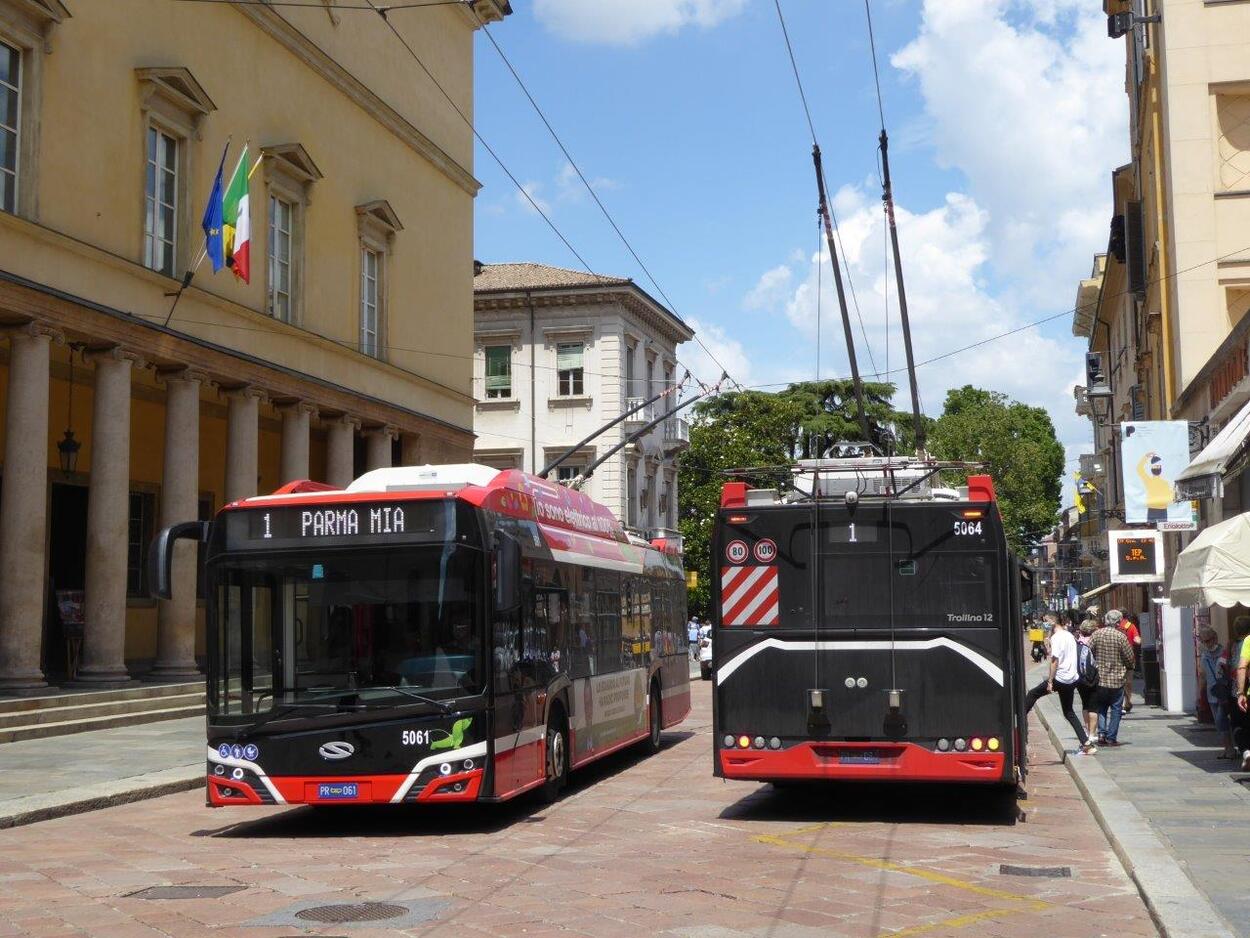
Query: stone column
x: 378, y: 447
x: 23, y: 509
x: 410, y: 444
x: 108, y: 518
x: 242, y: 442
x: 341, y: 450
x: 180, y: 489
x: 295, y: 424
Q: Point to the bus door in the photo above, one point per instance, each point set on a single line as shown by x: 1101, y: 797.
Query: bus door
x: 508, y: 697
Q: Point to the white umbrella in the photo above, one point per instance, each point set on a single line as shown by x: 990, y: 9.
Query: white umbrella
x: 1214, y: 570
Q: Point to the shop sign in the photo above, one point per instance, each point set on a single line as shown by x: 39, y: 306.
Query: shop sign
x: 1135, y: 555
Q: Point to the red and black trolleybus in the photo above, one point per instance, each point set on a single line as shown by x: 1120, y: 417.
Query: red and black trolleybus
x: 867, y: 625
x: 429, y: 634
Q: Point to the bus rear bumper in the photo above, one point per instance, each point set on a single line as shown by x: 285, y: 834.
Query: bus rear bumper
x: 882, y: 761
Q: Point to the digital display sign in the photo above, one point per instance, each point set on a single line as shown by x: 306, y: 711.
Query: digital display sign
x: 369, y: 523
x: 1136, y: 556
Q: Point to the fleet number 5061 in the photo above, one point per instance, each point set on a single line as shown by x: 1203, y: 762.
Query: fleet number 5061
x: 415, y: 737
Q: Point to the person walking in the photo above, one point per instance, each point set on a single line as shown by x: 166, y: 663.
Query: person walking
x: 1087, y: 690
x: 1241, y: 736
x: 1133, y: 634
x: 1215, y: 685
x: 692, y: 636
x: 1114, y: 656
x: 1062, y: 679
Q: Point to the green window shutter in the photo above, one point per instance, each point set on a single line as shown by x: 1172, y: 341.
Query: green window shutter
x: 499, y: 368
x: 569, y: 355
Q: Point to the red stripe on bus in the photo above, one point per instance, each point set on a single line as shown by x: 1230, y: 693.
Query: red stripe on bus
x: 765, y: 583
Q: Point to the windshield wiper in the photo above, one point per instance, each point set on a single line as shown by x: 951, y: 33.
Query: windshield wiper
x: 408, y: 691
x: 314, y: 701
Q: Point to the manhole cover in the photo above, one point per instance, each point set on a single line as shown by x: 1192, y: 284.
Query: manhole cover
x: 1053, y: 872
x: 184, y: 892
x: 352, y: 912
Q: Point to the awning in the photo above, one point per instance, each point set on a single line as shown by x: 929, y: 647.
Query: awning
x: 1096, y: 591
x: 1214, y: 570
x: 1204, y: 475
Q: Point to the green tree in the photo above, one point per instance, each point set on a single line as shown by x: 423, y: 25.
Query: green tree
x: 829, y: 414
x: 1018, y: 446
x: 741, y: 430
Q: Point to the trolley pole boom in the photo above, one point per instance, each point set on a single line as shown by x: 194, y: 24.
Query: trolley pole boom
x: 887, y: 199
x: 837, y: 280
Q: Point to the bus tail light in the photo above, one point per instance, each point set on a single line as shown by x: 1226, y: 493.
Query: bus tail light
x: 759, y: 742
x: 993, y: 745
x: 961, y: 744
x: 774, y: 743
x: 728, y: 741
x: 977, y: 744
x: 744, y: 742
x: 943, y: 745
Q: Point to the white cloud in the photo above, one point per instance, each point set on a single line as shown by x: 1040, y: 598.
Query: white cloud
x: 569, y: 186
x: 945, y: 251
x: 728, y: 351
x: 1038, y: 137
x: 624, y: 22
x: 534, y: 191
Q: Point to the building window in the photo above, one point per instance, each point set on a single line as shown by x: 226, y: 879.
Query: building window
x: 1233, y: 114
x: 650, y: 389
x: 370, y: 272
x: 377, y: 225
x: 139, y: 536
x: 10, y: 117
x: 160, y: 202
x: 567, y: 472
x: 630, y: 390
x: 569, y: 370
x: 631, y: 496
x: 499, y: 371
x: 281, y: 216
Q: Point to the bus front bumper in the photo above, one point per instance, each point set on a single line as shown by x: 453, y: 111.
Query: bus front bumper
x: 878, y: 761
x: 366, y: 789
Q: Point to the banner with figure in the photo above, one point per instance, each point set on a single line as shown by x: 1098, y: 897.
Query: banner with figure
x: 1152, y: 454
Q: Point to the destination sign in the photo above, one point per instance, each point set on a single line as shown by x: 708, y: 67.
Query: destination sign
x: 356, y: 523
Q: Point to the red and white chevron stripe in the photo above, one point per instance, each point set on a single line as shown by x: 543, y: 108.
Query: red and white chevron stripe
x: 749, y: 596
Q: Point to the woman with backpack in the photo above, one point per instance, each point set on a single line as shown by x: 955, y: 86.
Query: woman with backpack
x: 1217, y: 686
x: 1087, y: 668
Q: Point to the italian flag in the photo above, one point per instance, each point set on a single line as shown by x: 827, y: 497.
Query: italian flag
x: 237, y: 221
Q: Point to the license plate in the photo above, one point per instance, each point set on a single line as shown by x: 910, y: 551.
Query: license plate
x: 338, y: 791
x: 859, y: 757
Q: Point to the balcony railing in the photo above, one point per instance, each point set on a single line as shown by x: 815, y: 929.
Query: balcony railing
x: 676, y: 433
x: 637, y: 421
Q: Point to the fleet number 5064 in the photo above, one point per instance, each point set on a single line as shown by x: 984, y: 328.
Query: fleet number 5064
x: 966, y: 528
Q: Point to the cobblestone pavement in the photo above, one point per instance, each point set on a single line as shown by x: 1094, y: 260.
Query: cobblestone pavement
x: 636, y: 847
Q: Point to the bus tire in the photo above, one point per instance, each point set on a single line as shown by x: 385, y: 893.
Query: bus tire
x: 556, y: 756
x: 655, y: 718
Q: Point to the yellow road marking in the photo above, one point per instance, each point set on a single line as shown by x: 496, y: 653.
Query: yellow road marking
x: 1025, y: 903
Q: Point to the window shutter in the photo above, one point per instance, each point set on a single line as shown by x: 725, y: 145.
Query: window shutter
x: 569, y: 356
x: 1135, y: 248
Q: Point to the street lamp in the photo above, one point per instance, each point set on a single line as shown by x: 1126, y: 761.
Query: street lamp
x: 67, y: 448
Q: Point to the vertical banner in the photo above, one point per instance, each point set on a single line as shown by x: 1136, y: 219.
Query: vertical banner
x: 1153, y: 453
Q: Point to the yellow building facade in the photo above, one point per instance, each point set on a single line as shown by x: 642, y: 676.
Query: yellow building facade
x: 350, y: 348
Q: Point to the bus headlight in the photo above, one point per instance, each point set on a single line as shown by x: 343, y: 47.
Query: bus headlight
x: 444, y: 769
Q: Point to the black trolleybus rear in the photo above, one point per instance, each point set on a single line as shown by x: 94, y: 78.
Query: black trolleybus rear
x: 862, y: 636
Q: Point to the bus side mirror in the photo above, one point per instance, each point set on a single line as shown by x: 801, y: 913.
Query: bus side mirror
x: 161, y: 555
x: 507, y: 573
x: 1027, y: 590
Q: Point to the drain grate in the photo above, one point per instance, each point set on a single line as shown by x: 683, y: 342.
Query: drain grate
x: 184, y: 892
x: 1051, y: 872
x: 352, y: 912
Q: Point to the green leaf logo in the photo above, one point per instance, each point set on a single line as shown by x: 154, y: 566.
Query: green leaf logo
x: 455, y: 738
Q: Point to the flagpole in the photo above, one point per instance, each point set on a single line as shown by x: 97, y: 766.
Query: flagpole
x: 186, y: 282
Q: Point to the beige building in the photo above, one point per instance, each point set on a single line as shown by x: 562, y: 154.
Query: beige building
x: 1167, y: 307
x: 350, y: 347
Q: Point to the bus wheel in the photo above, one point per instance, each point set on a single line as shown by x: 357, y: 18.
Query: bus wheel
x: 557, y: 757
x: 655, y: 718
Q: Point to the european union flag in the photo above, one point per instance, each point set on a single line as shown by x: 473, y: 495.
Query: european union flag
x: 212, y: 222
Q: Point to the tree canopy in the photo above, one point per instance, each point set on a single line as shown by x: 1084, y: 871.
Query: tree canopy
x: 1018, y: 445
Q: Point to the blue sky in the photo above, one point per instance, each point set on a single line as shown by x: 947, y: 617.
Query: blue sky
x: 1006, y: 119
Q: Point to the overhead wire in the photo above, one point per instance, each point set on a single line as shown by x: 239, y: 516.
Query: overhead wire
x: 833, y: 215
x: 591, y: 189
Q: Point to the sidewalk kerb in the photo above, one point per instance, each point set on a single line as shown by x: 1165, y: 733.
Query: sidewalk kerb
x: 1178, y: 907
x: 33, y: 808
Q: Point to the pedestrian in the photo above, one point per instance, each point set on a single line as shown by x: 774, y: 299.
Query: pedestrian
x: 1131, y: 632
x: 1241, y: 736
x: 1216, y: 686
x: 1087, y: 690
x: 692, y: 636
x: 1062, y: 679
x: 1114, y: 656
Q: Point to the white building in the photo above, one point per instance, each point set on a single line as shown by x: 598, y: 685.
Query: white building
x: 593, y: 345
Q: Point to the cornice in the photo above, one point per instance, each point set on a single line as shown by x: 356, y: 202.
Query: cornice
x: 626, y: 296
x: 315, y: 58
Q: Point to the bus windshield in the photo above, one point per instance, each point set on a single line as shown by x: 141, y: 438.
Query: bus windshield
x: 351, y: 628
